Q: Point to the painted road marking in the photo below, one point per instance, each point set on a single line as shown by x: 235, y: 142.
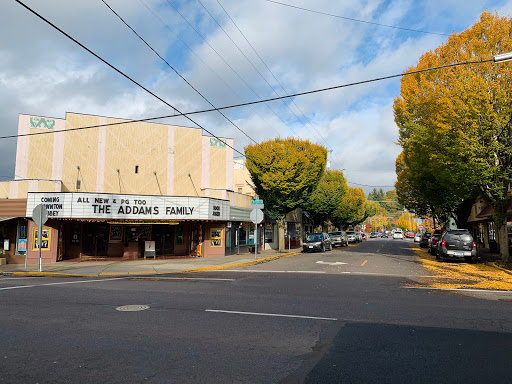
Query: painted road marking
x: 326, y: 262
x: 364, y: 262
x: 61, y: 283
x: 181, y: 278
x: 271, y: 315
x: 263, y: 271
x: 461, y: 289
x: 22, y: 278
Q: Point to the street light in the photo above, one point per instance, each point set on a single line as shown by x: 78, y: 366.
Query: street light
x: 503, y: 57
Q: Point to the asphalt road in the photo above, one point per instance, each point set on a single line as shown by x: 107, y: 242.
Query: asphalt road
x: 306, y: 318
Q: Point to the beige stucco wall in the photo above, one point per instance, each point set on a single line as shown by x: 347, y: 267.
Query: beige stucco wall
x: 243, y: 181
x: 104, y: 158
x: 18, y: 189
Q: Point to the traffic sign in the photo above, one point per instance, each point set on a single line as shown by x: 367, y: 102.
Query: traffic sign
x: 256, y: 216
x: 40, y: 214
x: 256, y: 201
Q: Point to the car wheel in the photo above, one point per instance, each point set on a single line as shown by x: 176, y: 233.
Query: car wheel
x: 439, y: 258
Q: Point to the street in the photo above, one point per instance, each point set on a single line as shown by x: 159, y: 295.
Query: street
x: 350, y: 315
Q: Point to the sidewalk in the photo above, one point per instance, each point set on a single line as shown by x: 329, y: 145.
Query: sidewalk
x: 142, y: 267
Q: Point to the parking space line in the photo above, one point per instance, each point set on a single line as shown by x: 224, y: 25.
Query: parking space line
x: 364, y: 262
x: 271, y: 315
x: 60, y: 283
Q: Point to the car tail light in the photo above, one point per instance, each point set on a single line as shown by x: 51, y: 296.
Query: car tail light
x: 443, y: 243
x: 474, y: 245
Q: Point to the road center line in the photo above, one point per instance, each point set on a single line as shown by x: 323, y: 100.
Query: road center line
x: 271, y: 315
x: 61, y: 283
x: 392, y: 275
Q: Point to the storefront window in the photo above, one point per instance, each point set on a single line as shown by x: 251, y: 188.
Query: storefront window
x: 242, y: 236
x: 269, y: 233
x: 21, y: 238
x: 251, y: 236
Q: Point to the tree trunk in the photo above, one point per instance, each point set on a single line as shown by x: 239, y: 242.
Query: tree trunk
x: 280, y: 235
x: 503, y: 240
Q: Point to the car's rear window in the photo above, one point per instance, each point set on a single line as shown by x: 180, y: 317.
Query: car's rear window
x: 335, y: 233
x: 351, y: 233
x: 463, y: 236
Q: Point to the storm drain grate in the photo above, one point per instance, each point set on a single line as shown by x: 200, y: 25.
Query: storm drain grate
x: 132, y: 308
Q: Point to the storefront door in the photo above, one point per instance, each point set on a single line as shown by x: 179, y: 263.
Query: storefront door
x: 95, y: 239
x: 163, y: 236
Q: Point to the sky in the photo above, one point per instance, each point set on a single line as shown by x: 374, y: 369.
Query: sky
x: 228, y: 52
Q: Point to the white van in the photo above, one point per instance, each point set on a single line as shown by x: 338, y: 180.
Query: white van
x: 398, y: 234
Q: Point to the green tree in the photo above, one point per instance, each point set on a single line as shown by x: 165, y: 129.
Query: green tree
x: 328, y: 195
x: 459, y: 122
x: 352, y: 210
x: 285, y: 172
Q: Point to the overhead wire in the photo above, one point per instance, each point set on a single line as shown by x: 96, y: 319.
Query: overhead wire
x: 174, y: 69
x: 119, y: 71
x: 199, y: 58
x: 229, y: 37
x: 356, y: 20
x: 180, y: 114
x: 276, y: 79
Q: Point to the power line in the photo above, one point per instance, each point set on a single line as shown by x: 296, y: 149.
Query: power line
x: 199, y: 58
x: 179, y: 114
x: 170, y: 66
x: 356, y: 20
x: 275, y: 78
x: 229, y: 37
x: 119, y: 71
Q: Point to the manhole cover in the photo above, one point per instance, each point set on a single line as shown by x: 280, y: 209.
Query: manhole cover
x: 132, y: 308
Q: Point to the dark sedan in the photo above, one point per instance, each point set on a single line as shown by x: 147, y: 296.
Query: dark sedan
x: 424, y: 239
x: 317, y: 242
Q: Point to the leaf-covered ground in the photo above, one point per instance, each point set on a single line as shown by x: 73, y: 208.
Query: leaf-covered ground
x: 457, y: 274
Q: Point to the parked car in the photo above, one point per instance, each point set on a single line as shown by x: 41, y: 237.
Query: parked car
x: 373, y: 235
x: 317, y: 242
x: 351, y: 237
x: 424, y: 239
x: 359, y: 237
x: 338, y: 238
x: 409, y: 235
x: 398, y: 234
x: 432, y: 242
x: 417, y: 237
x: 384, y: 235
x: 457, y: 244
x: 363, y: 235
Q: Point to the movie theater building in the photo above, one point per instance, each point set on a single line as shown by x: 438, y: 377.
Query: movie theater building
x: 113, y: 186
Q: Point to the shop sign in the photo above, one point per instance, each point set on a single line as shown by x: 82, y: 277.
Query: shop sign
x: 39, y: 122
x: 114, y: 206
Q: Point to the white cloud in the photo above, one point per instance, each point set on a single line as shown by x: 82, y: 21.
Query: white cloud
x: 43, y: 73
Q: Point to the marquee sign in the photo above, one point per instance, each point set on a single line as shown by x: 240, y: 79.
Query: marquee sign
x: 112, y: 206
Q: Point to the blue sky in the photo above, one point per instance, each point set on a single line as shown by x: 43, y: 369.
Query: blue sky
x: 43, y: 73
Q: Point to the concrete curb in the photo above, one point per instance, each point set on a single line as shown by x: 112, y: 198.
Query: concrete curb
x: 128, y: 274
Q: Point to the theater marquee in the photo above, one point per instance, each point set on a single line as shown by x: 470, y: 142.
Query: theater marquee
x: 111, y: 206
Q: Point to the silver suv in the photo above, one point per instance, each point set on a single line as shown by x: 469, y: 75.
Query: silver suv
x: 338, y: 238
